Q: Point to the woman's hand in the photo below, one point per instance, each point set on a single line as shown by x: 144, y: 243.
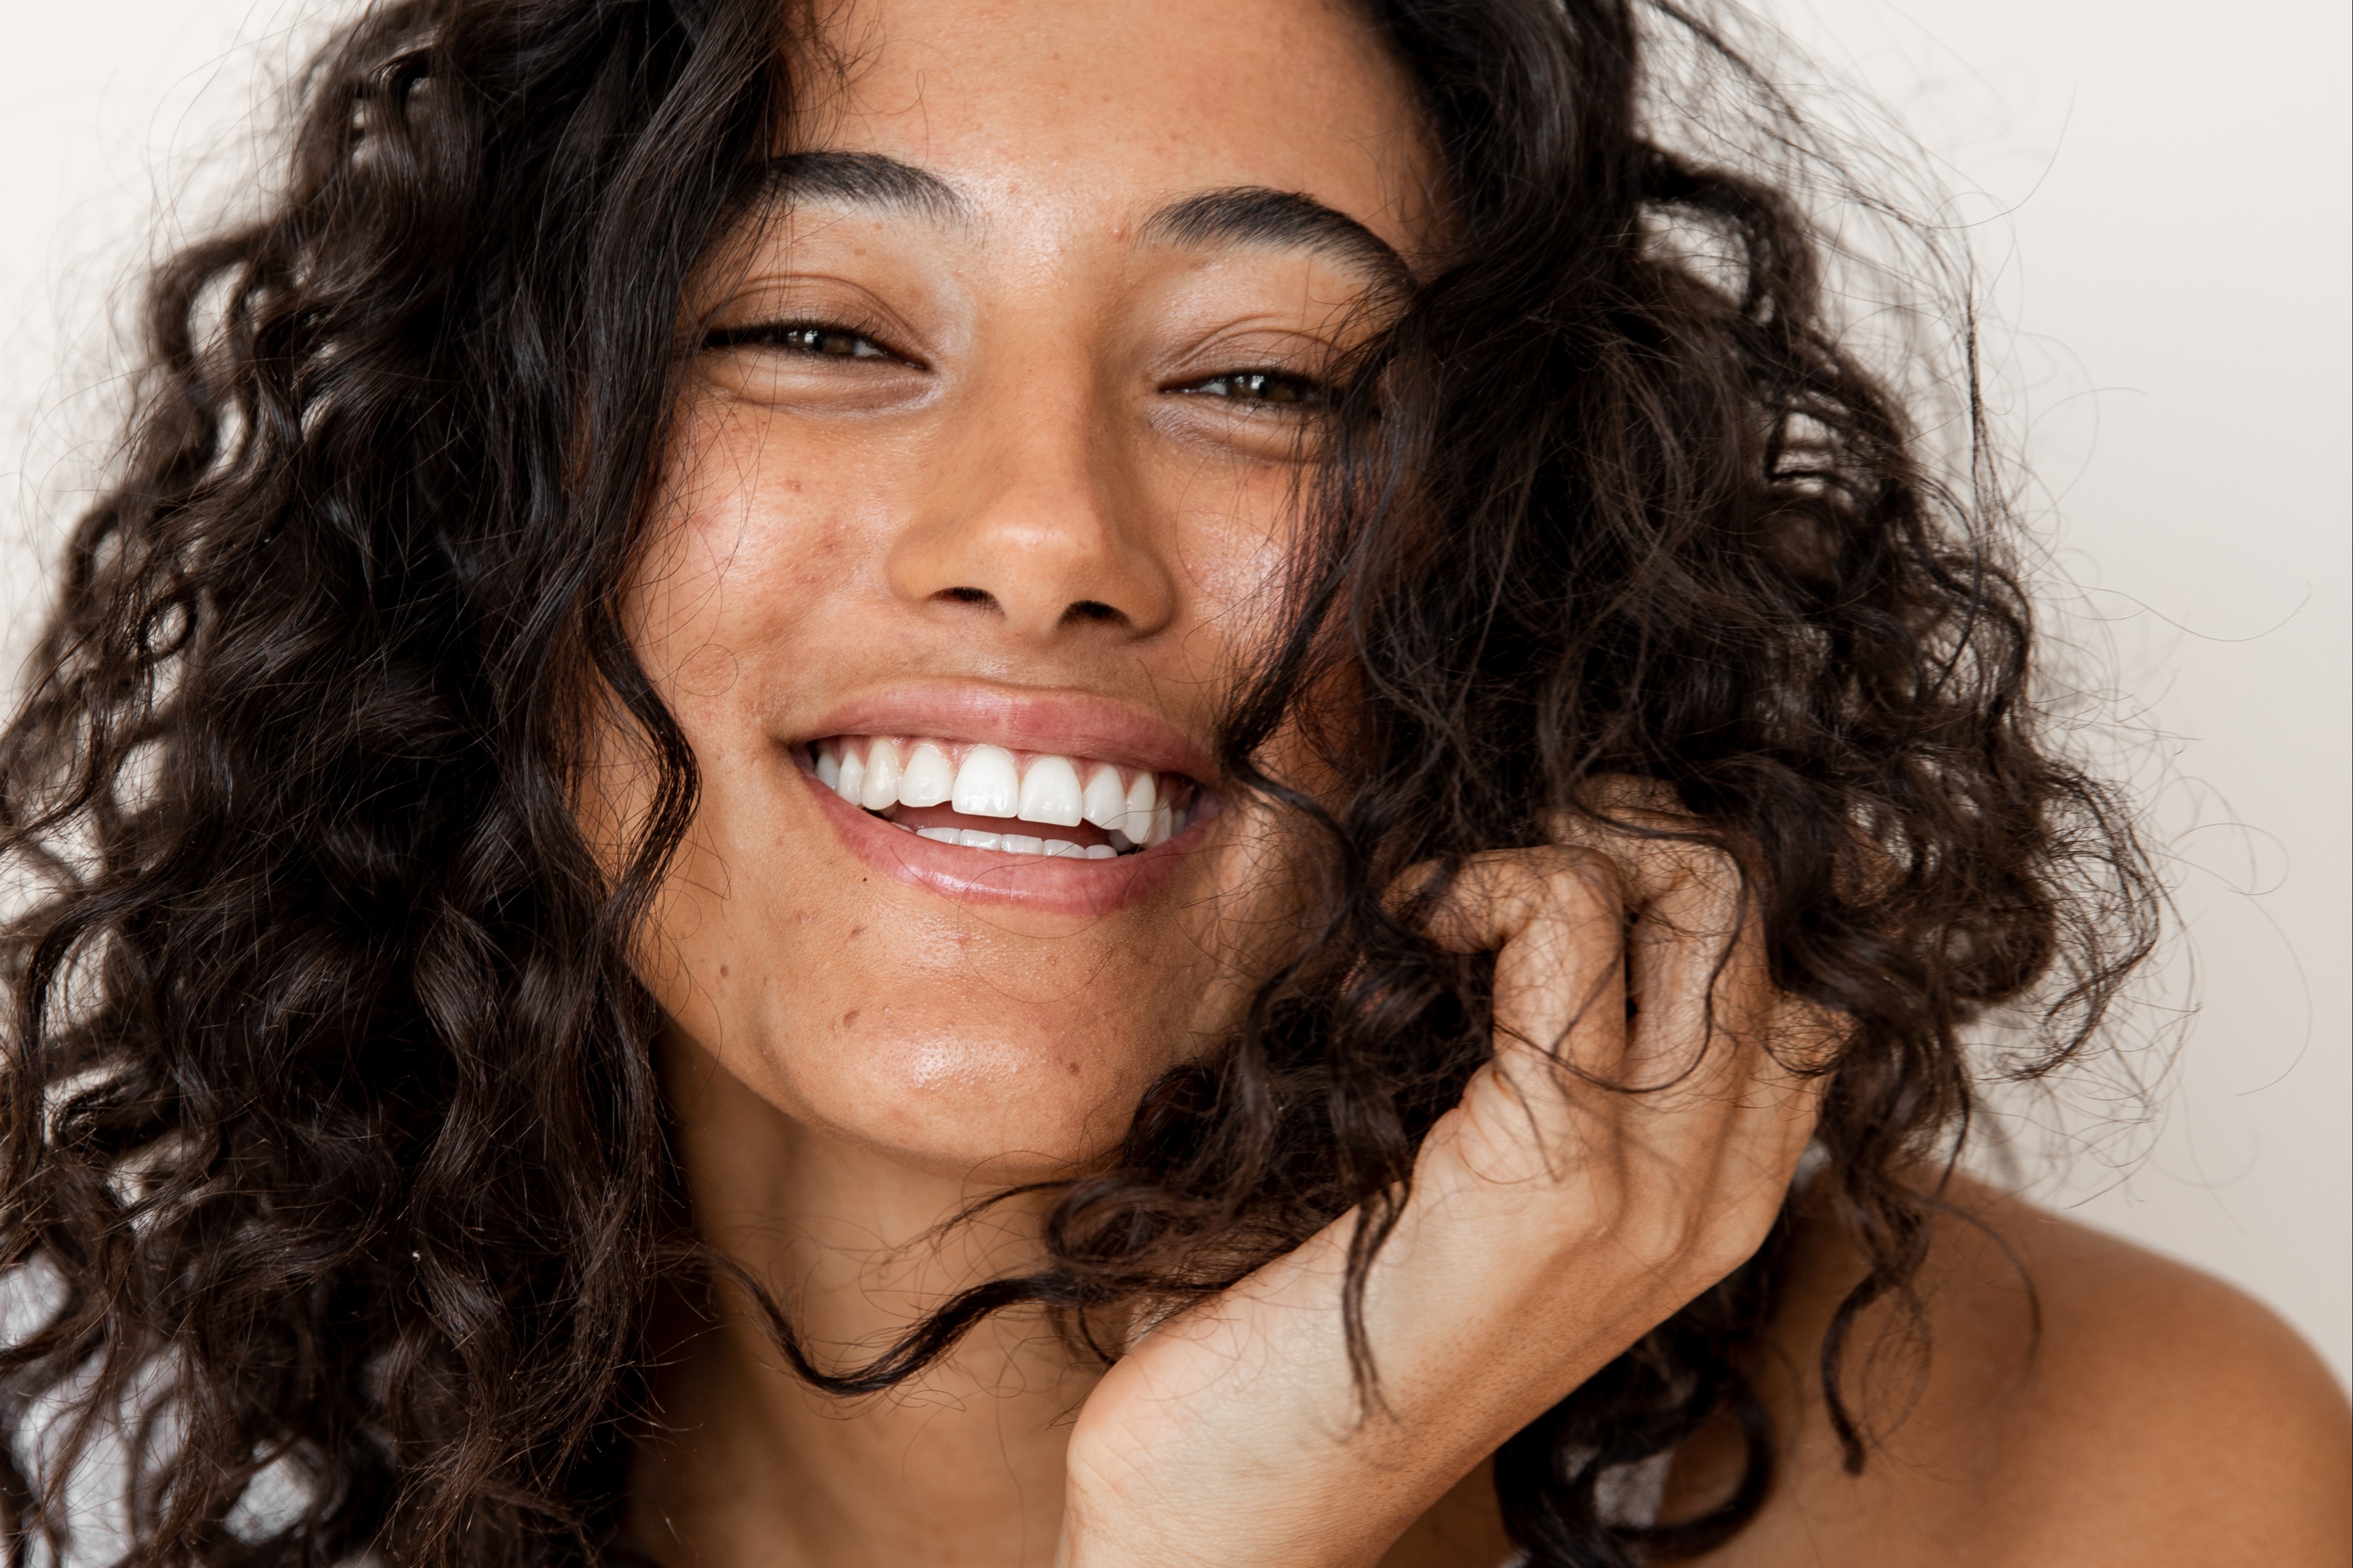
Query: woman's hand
x: 1553, y: 1221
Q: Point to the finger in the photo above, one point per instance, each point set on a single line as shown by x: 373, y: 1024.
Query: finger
x: 1555, y: 922
x: 1708, y: 1013
x: 1685, y: 888
x: 1715, y: 1071
x: 1719, y: 1065
x: 1698, y: 971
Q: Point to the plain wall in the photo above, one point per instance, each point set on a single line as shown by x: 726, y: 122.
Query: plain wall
x: 2157, y: 197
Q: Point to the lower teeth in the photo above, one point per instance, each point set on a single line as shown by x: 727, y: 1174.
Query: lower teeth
x: 1020, y: 844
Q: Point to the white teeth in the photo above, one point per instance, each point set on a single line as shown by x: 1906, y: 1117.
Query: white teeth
x: 1140, y: 801
x: 1018, y: 844
x: 1105, y: 803
x: 882, y: 771
x: 929, y: 779
x: 874, y: 772
x: 1050, y: 792
x: 988, y: 786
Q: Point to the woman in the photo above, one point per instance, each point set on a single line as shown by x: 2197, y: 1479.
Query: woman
x: 1061, y: 783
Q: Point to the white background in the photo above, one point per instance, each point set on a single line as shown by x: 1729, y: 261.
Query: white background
x: 2158, y: 198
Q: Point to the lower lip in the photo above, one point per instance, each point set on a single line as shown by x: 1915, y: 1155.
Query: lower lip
x: 1051, y: 884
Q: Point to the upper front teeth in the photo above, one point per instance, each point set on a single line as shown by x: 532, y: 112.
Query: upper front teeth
x: 987, y: 784
x: 990, y: 782
x: 1050, y: 791
x: 928, y: 780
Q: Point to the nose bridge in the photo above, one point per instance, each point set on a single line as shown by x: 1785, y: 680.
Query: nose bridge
x: 1032, y: 517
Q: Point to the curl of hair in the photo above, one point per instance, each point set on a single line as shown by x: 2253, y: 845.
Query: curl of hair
x: 328, y: 1105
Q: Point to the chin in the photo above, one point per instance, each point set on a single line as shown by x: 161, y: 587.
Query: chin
x: 994, y: 1106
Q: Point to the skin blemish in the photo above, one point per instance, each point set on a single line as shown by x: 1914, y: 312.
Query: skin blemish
x: 850, y: 1019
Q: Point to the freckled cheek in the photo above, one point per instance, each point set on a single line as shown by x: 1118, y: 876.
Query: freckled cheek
x: 759, y: 536
x: 1234, y: 557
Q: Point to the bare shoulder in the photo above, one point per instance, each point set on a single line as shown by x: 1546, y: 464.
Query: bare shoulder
x: 2076, y: 1400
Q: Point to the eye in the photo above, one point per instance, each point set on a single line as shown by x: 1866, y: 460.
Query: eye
x: 1267, y: 388
x: 816, y: 340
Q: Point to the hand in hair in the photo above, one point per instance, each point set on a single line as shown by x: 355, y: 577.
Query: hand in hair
x: 1628, y: 1146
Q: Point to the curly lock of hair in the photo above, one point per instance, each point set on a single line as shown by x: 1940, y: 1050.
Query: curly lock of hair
x: 329, y: 1111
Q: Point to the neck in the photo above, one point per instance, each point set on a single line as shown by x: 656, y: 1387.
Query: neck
x: 750, y: 1465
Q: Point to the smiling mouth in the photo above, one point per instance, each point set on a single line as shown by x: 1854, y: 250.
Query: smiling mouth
x: 979, y: 797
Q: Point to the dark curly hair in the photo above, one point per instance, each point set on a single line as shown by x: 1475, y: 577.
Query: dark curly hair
x: 330, y: 1124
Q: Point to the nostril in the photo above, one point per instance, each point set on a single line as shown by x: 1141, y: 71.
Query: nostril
x: 967, y: 596
x: 1092, y: 610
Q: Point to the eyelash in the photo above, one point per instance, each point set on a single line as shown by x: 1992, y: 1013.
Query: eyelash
x: 1273, y: 388
x: 1265, y: 388
x: 779, y: 335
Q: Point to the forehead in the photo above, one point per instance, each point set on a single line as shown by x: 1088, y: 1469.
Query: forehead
x: 1101, y: 112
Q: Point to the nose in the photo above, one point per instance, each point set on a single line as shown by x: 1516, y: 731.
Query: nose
x: 1033, y: 523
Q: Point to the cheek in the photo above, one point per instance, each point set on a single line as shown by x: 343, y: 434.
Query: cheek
x: 1235, y: 532
x: 746, y: 548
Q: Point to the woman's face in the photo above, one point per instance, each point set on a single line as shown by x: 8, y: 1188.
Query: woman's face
x: 982, y: 482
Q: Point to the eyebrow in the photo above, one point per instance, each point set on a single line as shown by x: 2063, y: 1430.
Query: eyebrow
x: 1253, y: 216
x: 863, y: 179
x: 1281, y: 220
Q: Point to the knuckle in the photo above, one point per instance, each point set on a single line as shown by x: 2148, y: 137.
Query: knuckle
x: 1695, y: 1243
x: 1658, y: 1240
x: 1581, y: 881
x: 1738, y: 1228
x: 1725, y: 1246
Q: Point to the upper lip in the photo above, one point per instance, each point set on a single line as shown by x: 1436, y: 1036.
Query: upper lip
x: 1063, y: 722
